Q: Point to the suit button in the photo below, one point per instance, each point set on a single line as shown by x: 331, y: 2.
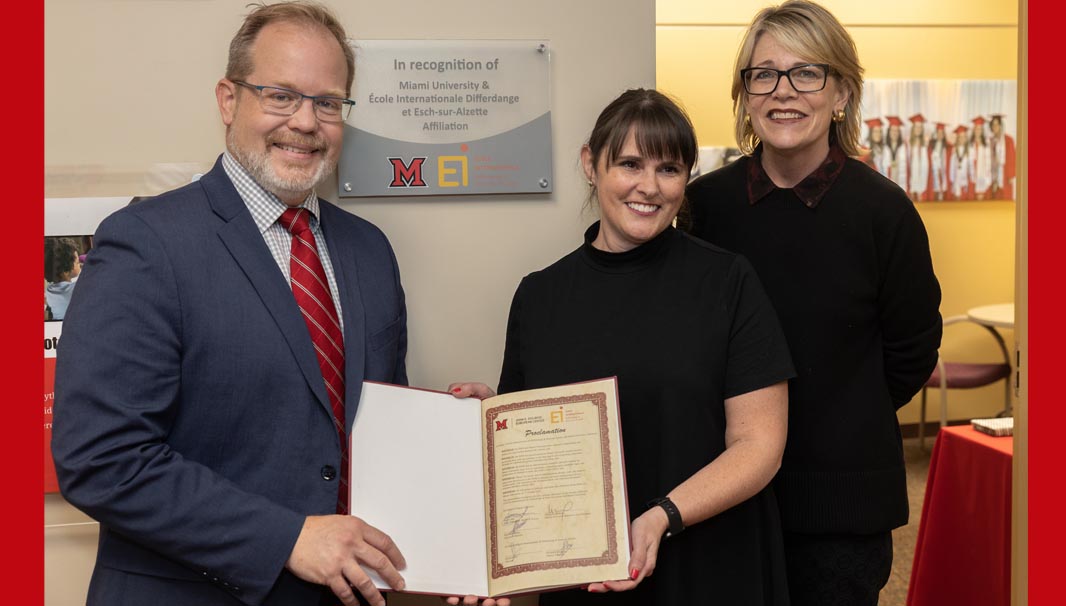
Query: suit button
x: 328, y: 473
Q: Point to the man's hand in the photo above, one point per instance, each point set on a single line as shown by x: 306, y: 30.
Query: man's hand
x: 333, y: 550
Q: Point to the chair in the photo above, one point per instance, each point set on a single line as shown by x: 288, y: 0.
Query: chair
x: 966, y: 375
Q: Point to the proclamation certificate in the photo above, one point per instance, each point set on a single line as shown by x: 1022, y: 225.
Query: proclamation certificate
x: 553, y: 497
x: 535, y: 482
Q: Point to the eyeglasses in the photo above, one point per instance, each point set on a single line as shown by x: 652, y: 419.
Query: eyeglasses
x: 809, y: 78
x: 285, y: 102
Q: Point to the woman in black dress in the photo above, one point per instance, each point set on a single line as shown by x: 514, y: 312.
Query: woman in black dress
x: 701, y: 364
x: 845, y: 259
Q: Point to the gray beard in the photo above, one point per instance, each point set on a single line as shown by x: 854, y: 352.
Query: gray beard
x: 259, y: 167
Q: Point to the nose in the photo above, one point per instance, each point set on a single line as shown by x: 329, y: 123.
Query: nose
x: 784, y: 87
x: 304, y: 118
x: 648, y: 185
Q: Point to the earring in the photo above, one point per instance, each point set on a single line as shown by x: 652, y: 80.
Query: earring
x: 747, y: 120
x: 838, y: 116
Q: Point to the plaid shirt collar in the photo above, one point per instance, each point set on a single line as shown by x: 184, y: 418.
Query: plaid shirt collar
x: 810, y: 190
x: 266, y: 208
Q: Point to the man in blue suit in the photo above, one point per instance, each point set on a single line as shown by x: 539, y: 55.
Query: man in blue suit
x: 192, y: 418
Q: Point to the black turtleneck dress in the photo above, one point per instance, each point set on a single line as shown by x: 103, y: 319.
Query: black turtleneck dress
x: 684, y: 325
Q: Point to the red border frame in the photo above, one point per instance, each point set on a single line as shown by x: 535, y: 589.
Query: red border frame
x: 1046, y: 334
x: 23, y: 44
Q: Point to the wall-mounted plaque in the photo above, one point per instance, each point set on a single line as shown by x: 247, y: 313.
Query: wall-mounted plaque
x: 444, y: 117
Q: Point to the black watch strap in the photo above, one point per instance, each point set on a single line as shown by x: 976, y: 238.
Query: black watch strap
x: 673, y: 516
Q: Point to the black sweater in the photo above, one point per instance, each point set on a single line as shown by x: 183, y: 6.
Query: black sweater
x: 852, y: 281
x: 684, y: 325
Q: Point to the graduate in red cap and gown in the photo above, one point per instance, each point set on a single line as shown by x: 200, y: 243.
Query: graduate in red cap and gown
x: 981, y: 154
x: 960, y: 172
x: 1002, y: 160
x: 874, y: 154
x: 917, y: 160
x: 896, y: 152
x: 939, y: 151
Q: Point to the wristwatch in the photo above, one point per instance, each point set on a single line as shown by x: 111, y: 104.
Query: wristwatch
x: 673, y: 516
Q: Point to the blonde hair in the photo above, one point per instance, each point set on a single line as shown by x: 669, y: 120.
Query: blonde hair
x: 807, y: 30
x: 299, y: 11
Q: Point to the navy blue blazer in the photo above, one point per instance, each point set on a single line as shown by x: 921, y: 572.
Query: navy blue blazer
x: 191, y: 418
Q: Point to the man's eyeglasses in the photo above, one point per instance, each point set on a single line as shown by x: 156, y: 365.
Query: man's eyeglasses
x: 809, y: 78
x: 285, y: 102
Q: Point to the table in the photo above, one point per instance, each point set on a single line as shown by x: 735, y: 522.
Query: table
x: 962, y: 555
x: 1000, y: 315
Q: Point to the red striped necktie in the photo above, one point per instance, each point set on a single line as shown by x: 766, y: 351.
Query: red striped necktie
x: 312, y: 294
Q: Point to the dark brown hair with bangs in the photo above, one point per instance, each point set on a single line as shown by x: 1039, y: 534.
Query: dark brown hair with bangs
x: 661, y: 128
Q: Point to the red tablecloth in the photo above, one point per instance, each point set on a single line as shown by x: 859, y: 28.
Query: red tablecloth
x: 962, y: 555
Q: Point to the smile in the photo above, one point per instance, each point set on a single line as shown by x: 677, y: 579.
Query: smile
x: 785, y: 115
x: 642, y: 208
x: 294, y: 149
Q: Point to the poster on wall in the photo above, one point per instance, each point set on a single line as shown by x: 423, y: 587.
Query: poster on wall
x: 68, y: 227
x: 943, y: 140
x: 445, y: 117
x: 712, y: 157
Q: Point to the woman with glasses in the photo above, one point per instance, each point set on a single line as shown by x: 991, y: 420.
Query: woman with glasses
x: 845, y: 259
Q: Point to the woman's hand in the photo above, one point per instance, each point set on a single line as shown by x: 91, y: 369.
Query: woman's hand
x: 468, y: 390
x: 646, y: 532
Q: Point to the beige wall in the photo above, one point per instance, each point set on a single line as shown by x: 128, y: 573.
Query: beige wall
x: 972, y: 244
x: 130, y: 110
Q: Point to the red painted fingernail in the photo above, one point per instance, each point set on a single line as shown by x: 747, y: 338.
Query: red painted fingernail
x: 633, y: 575
x: 457, y: 390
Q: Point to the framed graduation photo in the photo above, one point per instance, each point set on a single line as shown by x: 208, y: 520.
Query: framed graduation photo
x: 943, y: 140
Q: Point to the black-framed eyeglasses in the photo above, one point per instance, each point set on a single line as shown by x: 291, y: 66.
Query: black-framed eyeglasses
x: 809, y: 78
x: 285, y: 102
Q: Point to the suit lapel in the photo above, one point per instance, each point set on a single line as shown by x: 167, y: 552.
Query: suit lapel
x: 346, y: 269
x: 242, y: 239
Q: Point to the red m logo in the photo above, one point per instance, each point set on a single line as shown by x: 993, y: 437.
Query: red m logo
x: 407, y: 175
x: 501, y: 424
